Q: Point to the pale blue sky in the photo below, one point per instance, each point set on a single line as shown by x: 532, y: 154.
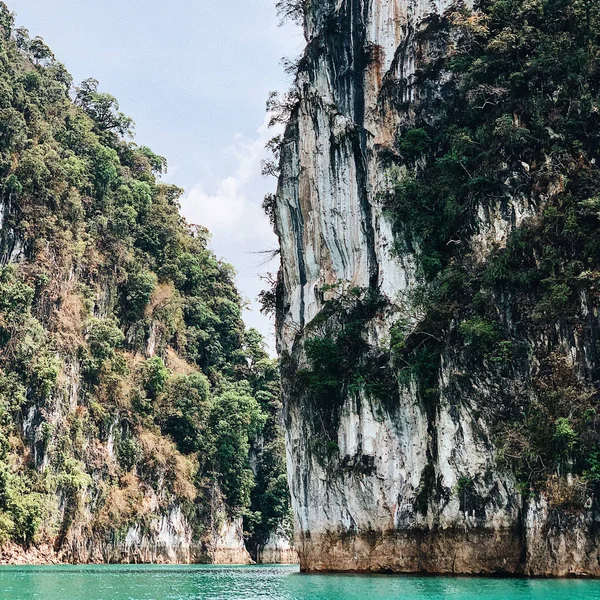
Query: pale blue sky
x: 194, y: 75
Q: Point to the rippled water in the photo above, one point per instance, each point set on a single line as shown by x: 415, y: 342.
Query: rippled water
x: 266, y: 582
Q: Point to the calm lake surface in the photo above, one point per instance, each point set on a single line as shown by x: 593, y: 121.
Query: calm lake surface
x: 265, y: 582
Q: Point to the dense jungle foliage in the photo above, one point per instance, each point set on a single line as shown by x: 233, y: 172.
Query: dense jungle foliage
x: 128, y: 385
x: 517, y: 124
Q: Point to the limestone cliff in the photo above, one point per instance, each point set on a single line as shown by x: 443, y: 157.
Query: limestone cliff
x: 139, y: 420
x: 390, y: 469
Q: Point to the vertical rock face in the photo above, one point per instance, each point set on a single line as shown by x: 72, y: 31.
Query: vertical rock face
x: 388, y: 483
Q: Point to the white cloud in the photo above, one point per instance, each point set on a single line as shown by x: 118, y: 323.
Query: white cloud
x: 218, y: 212
x: 235, y: 201
x: 231, y: 209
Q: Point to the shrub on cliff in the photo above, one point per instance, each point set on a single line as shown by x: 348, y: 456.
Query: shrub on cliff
x: 519, y: 125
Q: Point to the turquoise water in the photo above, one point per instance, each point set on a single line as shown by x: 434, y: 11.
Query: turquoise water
x: 266, y: 583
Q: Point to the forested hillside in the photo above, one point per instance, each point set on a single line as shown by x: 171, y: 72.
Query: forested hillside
x: 136, y: 413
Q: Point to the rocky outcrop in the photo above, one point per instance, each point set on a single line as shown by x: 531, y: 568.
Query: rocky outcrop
x: 390, y: 483
x: 278, y: 550
x: 168, y: 540
x: 227, y: 547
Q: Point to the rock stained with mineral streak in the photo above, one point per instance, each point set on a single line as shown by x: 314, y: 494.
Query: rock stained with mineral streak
x: 356, y: 502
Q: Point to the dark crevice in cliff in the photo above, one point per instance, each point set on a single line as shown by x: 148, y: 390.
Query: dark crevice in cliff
x: 297, y: 224
x: 365, y: 203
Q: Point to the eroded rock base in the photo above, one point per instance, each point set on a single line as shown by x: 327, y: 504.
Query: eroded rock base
x: 451, y: 552
x: 443, y: 552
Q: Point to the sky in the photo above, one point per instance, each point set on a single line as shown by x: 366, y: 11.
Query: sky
x: 194, y: 76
